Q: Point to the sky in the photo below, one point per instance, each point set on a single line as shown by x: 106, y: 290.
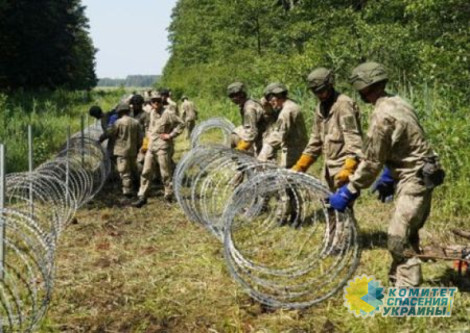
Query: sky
x: 130, y: 35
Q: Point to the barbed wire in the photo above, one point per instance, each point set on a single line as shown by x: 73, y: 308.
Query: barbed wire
x: 282, y: 242
x: 38, y: 207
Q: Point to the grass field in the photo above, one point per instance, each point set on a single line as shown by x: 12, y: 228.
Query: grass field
x: 121, y: 269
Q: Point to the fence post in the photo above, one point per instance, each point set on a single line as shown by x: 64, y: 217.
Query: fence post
x: 31, y: 167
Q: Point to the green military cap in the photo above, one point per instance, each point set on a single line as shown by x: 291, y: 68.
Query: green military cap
x: 320, y: 78
x: 235, y: 88
x: 274, y: 89
x: 367, y: 74
x: 123, y: 107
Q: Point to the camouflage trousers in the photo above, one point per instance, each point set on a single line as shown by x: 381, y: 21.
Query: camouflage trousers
x: 162, y: 159
x: 126, y: 166
x: 190, y: 126
x: 412, y: 208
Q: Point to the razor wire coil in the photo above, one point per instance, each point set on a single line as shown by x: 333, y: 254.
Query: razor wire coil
x: 38, y: 207
x: 282, y: 242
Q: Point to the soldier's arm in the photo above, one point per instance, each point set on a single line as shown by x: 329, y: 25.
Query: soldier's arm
x: 111, y: 132
x: 376, y: 149
x: 250, y: 126
x: 351, y: 127
x: 315, y: 143
x: 178, y: 126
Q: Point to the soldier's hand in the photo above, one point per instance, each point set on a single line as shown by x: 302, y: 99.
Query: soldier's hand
x: 165, y: 136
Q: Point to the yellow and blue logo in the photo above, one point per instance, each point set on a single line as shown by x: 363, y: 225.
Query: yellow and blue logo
x: 363, y: 296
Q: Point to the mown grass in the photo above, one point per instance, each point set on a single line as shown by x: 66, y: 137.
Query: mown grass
x: 120, y: 269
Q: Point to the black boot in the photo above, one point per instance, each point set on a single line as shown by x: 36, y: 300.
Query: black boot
x: 140, y: 203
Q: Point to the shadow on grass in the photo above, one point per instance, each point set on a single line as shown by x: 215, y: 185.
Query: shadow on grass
x: 451, y: 278
x: 375, y: 239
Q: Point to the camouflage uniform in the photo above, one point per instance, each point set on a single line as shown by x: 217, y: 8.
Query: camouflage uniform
x: 396, y: 139
x: 127, y: 134
x: 337, y: 133
x: 288, y: 134
x: 189, y: 115
x: 144, y: 120
x: 252, y: 128
x: 172, y: 106
x: 160, y: 151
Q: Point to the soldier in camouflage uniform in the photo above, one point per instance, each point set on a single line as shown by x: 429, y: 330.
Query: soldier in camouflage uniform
x: 289, y: 133
x: 396, y: 140
x: 248, y: 136
x: 168, y: 103
x: 189, y: 114
x: 128, y: 136
x: 137, y: 103
x: 164, y: 127
x: 336, y: 131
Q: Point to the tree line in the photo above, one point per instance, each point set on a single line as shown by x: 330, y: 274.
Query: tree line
x: 45, y: 44
x: 130, y: 81
x: 214, y: 42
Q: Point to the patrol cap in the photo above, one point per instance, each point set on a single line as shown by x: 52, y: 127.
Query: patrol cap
x: 274, y: 89
x: 320, y: 78
x: 235, y: 88
x: 156, y: 97
x: 184, y: 97
x: 123, y: 107
x: 367, y: 74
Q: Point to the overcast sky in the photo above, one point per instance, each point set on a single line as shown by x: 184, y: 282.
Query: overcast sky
x: 130, y: 34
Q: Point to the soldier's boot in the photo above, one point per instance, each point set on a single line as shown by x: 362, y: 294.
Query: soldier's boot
x: 168, y: 196
x: 142, y: 201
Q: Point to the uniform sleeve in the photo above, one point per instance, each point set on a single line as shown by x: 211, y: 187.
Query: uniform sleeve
x: 250, y: 126
x: 350, y: 125
x: 279, y: 133
x: 376, y: 148
x: 177, y: 126
x: 315, y: 144
x: 183, y: 112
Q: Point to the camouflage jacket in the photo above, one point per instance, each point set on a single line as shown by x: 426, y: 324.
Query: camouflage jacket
x: 172, y: 106
x: 144, y: 120
x: 252, y: 121
x: 336, y: 132
x: 189, y: 112
x: 128, y: 136
x: 396, y: 139
x: 288, y: 134
x: 164, y: 123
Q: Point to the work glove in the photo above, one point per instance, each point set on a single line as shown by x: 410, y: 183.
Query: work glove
x: 145, y: 145
x: 385, y: 185
x: 243, y: 145
x: 304, y: 162
x: 342, y: 198
x: 342, y: 177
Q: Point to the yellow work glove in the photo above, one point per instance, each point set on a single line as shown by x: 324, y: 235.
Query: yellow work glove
x: 243, y: 145
x: 304, y: 162
x: 342, y: 177
x: 145, y: 145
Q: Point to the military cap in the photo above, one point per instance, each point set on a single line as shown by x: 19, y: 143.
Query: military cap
x: 235, y: 88
x: 274, y: 89
x: 156, y: 97
x: 367, y: 74
x: 165, y: 92
x: 137, y: 99
x: 320, y: 78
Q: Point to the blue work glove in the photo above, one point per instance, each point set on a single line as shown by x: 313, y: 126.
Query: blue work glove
x: 342, y: 198
x: 385, y: 185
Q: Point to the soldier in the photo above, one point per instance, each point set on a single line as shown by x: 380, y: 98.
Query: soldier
x: 127, y: 135
x: 336, y: 131
x: 289, y: 133
x: 136, y: 103
x: 168, y: 103
x: 189, y: 114
x: 396, y: 140
x: 248, y: 136
x: 164, y: 127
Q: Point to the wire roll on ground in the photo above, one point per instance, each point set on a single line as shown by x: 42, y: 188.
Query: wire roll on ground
x: 212, y: 130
